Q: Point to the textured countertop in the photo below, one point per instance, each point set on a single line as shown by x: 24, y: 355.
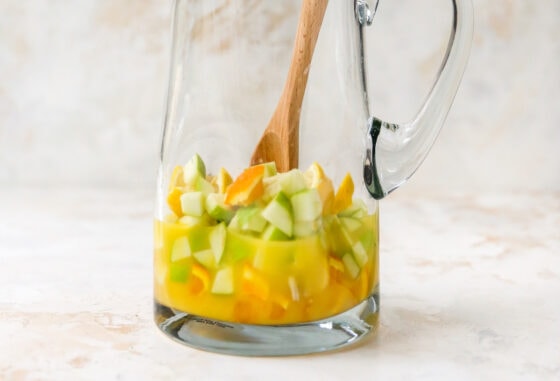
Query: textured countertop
x: 470, y: 289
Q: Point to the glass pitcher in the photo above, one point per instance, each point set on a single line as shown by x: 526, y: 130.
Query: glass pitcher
x: 256, y: 254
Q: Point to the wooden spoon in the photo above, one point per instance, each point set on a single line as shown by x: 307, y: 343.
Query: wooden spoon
x: 280, y: 140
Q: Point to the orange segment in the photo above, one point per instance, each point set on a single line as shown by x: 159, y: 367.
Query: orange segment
x: 343, y: 197
x: 201, y: 274
x: 176, y: 179
x: 254, y: 283
x: 174, y: 201
x: 247, y: 187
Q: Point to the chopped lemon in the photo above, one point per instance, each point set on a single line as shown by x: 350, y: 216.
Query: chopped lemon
x: 176, y: 179
x: 316, y: 178
x: 343, y: 197
x: 174, y: 201
x: 222, y: 181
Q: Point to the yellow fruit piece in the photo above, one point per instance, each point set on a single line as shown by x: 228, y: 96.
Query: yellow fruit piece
x: 247, y: 188
x: 343, y: 197
x: 174, y: 201
x: 316, y: 178
x: 176, y: 179
x: 201, y: 274
x: 222, y: 181
x: 336, y: 264
x: 254, y: 284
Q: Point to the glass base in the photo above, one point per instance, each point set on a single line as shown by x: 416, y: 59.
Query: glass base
x: 270, y: 340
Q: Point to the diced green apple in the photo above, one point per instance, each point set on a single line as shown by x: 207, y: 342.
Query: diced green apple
x: 272, y: 233
x: 217, y: 209
x: 358, y: 209
x: 206, y: 258
x: 194, y: 167
x: 305, y: 228
x: 200, y: 184
x: 270, y: 169
x: 181, y: 249
x: 360, y: 254
x: 179, y: 271
x: 251, y: 219
x: 279, y: 213
x: 192, y: 204
x: 192, y: 221
x: 351, y: 224
x: 288, y: 182
x: 217, y: 240
x: 351, y: 265
x: 307, y: 205
x: 338, y: 238
x: 223, y: 282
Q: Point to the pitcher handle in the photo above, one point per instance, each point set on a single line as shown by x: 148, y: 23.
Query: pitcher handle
x: 395, y: 151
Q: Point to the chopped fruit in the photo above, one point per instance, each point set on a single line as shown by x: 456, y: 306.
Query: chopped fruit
x: 201, y: 274
x: 202, y: 185
x: 269, y: 169
x: 223, y: 282
x: 174, y: 201
x: 351, y: 224
x: 181, y: 249
x: 305, y: 228
x: 272, y: 233
x: 288, y: 183
x: 223, y: 180
x: 360, y: 254
x: 316, y: 179
x: 179, y: 271
x: 336, y: 264
x: 205, y: 258
x: 307, y: 205
x: 358, y: 209
x: 217, y: 208
x: 247, y: 188
x: 339, y: 239
x: 251, y: 219
x: 254, y: 283
x: 194, y: 221
x: 351, y: 265
x: 217, y: 239
x: 279, y: 213
x: 176, y: 180
x: 192, y: 204
x: 294, y: 290
x: 267, y: 248
x: 343, y: 197
x: 194, y: 168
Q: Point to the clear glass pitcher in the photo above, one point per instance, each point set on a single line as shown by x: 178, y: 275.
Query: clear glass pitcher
x: 274, y: 250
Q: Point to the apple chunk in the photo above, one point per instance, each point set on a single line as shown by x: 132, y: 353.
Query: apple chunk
x: 279, y: 213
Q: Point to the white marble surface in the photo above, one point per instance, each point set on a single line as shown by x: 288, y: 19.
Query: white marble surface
x: 469, y: 291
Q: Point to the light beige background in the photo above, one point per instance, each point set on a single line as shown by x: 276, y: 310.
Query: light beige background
x: 82, y: 85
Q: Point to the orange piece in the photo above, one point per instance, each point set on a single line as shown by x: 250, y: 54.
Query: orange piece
x: 201, y: 274
x: 174, y: 201
x: 343, y: 197
x: 254, y: 283
x: 176, y: 179
x: 247, y: 188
